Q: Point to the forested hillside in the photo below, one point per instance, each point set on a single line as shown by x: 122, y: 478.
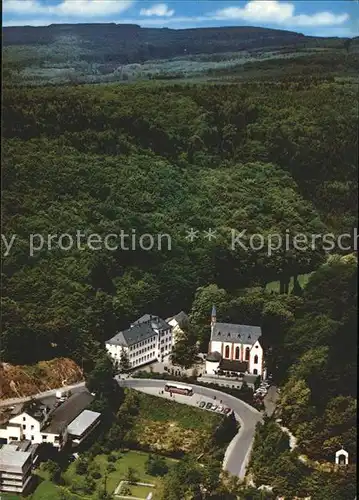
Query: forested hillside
x: 162, y: 159
x: 275, y: 155
x: 99, y: 53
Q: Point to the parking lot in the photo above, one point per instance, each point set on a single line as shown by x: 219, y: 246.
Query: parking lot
x: 214, y: 405
x: 260, y: 393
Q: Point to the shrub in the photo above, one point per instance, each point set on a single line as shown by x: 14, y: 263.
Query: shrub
x: 111, y: 468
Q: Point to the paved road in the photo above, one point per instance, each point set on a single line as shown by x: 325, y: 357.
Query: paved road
x: 238, y: 452
x: 48, y: 395
x: 270, y: 400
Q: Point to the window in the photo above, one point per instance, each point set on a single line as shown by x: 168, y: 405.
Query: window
x: 255, y: 371
x: 32, y: 427
x: 24, y: 419
x: 32, y: 438
x: 247, y: 353
x: 237, y: 353
x: 24, y: 427
x: 256, y: 359
x: 226, y: 352
x: 44, y: 437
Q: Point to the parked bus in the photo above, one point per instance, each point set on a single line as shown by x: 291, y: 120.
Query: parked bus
x: 179, y: 389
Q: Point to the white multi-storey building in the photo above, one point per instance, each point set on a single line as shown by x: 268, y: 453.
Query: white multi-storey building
x: 148, y: 339
x: 15, y: 467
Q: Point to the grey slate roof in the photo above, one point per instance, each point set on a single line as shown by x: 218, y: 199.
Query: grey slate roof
x: 181, y: 318
x: 239, y: 334
x: 36, y: 409
x: 155, y: 321
x: 141, y: 329
x: 214, y: 356
x: 67, y: 412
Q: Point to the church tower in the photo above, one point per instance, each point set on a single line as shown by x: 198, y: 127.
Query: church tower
x: 213, y: 318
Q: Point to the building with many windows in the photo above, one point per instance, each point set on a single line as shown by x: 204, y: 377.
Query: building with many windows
x: 148, y: 339
x: 16, y: 461
x: 234, y: 349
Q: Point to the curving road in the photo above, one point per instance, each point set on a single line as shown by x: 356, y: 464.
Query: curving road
x: 238, y: 452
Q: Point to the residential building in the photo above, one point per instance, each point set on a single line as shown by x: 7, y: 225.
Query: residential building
x: 39, y: 423
x: 148, y: 339
x: 16, y: 461
x: 179, y: 323
x: 234, y: 349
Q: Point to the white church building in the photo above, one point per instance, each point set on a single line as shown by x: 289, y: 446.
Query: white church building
x: 234, y: 349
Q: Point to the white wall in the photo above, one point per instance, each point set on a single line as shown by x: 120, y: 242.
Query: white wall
x: 256, y: 351
x: 216, y: 346
x: 30, y: 429
x: 177, y: 332
x: 145, y: 351
x: 211, y: 367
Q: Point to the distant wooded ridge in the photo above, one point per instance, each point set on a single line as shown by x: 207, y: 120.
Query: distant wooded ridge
x: 125, y: 43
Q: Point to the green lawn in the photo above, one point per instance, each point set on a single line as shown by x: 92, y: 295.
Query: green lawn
x: 187, y: 417
x: 171, y: 427
x: 133, y: 459
x: 45, y: 491
x: 142, y: 491
x: 274, y: 286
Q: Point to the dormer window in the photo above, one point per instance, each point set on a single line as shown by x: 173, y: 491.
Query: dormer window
x: 239, y: 335
x: 249, y: 337
x: 229, y: 335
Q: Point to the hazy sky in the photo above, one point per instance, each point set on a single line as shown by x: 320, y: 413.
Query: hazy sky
x: 323, y: 18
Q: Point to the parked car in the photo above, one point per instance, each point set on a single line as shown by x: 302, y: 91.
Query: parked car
x: 227, y: 410
x: 220, y: 408
x: 214, y: 407
x: 202, y: 404
x: 209, y: 406
x: 260, y: 393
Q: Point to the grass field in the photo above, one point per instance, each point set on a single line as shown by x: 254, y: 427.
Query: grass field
x: 274, y: 286
x: 171, y: 426
x: 141, y: 491
x: 134, y: 459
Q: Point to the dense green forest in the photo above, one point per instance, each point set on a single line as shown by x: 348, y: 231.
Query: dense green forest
x: 162, y: 159
x: 265, y: 156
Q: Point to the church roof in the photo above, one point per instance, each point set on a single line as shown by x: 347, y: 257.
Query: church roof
x: 239, y: 334
x: 214, y: 356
